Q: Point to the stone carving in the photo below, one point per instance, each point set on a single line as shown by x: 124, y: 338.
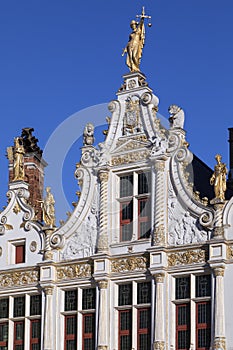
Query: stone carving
x: 131, y: 122
x: 19, y: 278
x: 88, y: 134
x: 219, y: 271
x: 33, y: 246
x: 73, y: 271
x: 139, y: 138
x: 219, y: 343
x: 48, y: 208
x: 129, y: 264
x: 218, y: 179
x: 186, y: 258
x: 131, y: 157
x: 176, y: 118
x: 159, y: 235
x: 230, y: 252
x: 159, y: 345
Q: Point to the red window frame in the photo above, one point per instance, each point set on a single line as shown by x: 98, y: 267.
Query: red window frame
x: 20, y: 253
x: 124, y: 222
x: 183, y: 327
x: 72, y: 336
x: 125, y: 332
x: 147, y: 330
x: 18, y: 341
x: 34, y: 340
x: 142, y: 218
x: 200, y: 326
x: 88, y: 335
x: 4, y: 342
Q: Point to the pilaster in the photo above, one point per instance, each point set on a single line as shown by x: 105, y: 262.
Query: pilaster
x: 102, y: 246
x: 103, y: 316
x: 48, y: 323
x: 159, y: 338
x: 219, y: 330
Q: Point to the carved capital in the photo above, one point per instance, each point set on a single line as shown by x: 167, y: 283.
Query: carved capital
x: 159, y: 345
x: 103, y: 243
x: 102, y: 347
x: 159, y: 277
x: 48, y: 290
x: 103, y: 284
x: 159, y: 165
x: 103, y: 175
x: 48, y: 255
x: 159, y: 235
x: 219, y: 271
x: 220, y: 343
x: 218, y: 232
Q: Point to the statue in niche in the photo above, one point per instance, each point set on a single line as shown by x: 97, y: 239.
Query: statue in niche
x: 48, y: 208
x: 218, y: 179
x: 18, y: 161
x: 88, y: 134
x: 176, y: 118
x: 136, y: 43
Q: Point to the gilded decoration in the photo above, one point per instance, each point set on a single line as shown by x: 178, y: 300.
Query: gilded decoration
x: 131, y: 157
x: 220, y: 343
x: 16, y: 208
x: 219, y: 271
x: 140, y: 138
x: 103, y: 284
x: 186, y: 258
x: 218, y: 179
x: 22, y: 278
x: 159, y: 277
x: 159, y: 345
x: 73, y: 271
x: 132, y: 116
x: 129, y: 264
x: 230, y: 252
x: 48, y: 290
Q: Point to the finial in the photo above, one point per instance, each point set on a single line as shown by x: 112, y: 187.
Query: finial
x: 136, y: 42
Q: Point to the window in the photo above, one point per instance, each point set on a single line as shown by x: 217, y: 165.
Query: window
x: 20, y: 253
x: 201, y: 298
x: 140, y: 319
x: 19, y: 335
x: 134, y: 206
x: 87, y: 311
x: 35, y: 322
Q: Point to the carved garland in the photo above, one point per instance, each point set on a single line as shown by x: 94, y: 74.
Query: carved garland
x: 19, y: 278
x: 230, y: 252
x: 186, y: 258
x: 130, y: 157
x: 129, y: 264
x: 73, y: 271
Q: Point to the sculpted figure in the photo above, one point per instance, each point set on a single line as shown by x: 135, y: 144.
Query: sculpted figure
x: 18, y: 162
x: 88, y: 134
x: 176, y: 117
x: 48, y: 208
x: 218, y: 179
x: 136, y: 43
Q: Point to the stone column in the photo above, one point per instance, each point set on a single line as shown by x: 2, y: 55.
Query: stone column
x: 219, y: 316
x: 48, y: 319
x: 159, y: 341
x: 48, y: 253
x: 102, y: 246
x: 103, y: 319
x: 159, y: 216
x: 218, y: 222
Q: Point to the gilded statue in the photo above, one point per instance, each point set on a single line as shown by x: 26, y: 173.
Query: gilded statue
x: 218, y: 179
x: 18, y: 160
x: 136, y: 43
x: 48, y: 208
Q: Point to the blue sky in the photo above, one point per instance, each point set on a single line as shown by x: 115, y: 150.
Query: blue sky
x: 61, y: 56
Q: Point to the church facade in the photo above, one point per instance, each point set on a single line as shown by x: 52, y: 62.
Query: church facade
x: 144, y: 261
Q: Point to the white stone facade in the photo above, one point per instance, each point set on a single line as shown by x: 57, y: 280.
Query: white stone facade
x: 95, y: 249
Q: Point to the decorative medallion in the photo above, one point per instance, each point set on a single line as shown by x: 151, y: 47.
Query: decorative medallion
x: 33, y: 246
x: 187, y: 257
x: 134, y: 263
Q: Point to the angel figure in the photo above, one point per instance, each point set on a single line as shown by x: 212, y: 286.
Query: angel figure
x: 135, y: 43
x: 48, y: 208
x: 88, y: 134
x: 18, y: 161
x: 218, y: 179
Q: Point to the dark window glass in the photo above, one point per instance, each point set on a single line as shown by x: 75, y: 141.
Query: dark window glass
x: 125, y: 294
x: 203, y: 338
x: 19, y: 331
x: 71, y: 325
x: 71, y: 332
x: 125, y: 327
x: 89, y: 344
x: 183, y: 315
x: 35, y: 305
x: 71, y: 345
x: 3, y: 332
x: 182, y: 287
x: 125, y: 342
x: 35, y: 329
x: 71, y: 300
x: 144, y: 183
x: 183, y: 340
x: 203, y: 313
x: 4, y: 308
x: 89, y: 323
x: 144, y: 293
x: 183, y: 326
x: 19, y: 306
x: 89, y: 331
x: 203, y: 286
x: 35, y: 346
x: 89, y: 296
x: 126, y: 186
x: 126, y: 232
x: 144, y: 319
x: 144, y: 341
x: 203, y: 325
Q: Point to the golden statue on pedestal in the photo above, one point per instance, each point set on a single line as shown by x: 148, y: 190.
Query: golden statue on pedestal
x: 218, y: 179
x: 136, y: 43
x: 48, y: 208
x: 18, y: 161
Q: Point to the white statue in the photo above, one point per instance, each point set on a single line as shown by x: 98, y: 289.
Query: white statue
x: 88, y: 134
x: 176, y: 118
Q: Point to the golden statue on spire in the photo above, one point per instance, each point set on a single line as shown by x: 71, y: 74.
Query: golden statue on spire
x: 136, y: 42
x: 218, y: 179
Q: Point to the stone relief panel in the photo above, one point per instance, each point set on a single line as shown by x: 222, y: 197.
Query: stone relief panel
x: 183, y: 228
x: 83, y: 242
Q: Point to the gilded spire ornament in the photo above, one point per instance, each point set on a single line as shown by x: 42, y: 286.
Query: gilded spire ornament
x: 136, y: 42
x: 18, y: 161
x: 218, y: 179
x: 48, y: 209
